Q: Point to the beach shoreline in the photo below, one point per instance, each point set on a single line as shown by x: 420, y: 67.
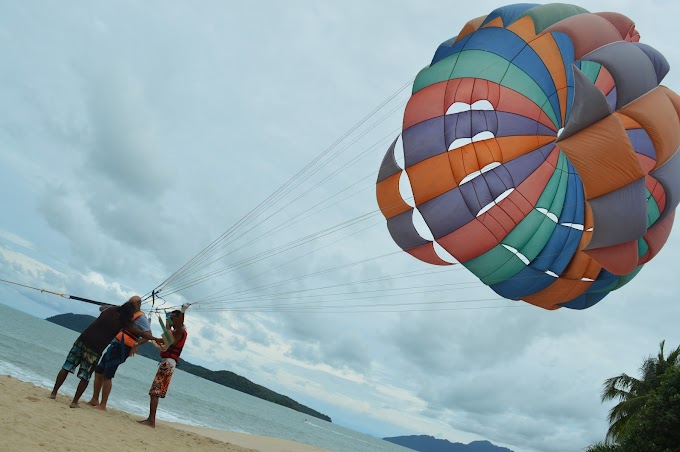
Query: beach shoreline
x: 32, y: 421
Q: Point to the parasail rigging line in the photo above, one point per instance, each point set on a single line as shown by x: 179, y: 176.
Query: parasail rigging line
x: 275, y: 251
x: 216, y: 273
x: 427, y: 289
x: 281, y: 226
x: 295, y: 259
x: 275, y: 196
x: 228, y: 297
x: 375, y: 304
x: 199, y: 265
x: 379, y: 279
x: 260, y: 256
x: 290, y: 246
x: 363, y: 311
x: 233, y: 299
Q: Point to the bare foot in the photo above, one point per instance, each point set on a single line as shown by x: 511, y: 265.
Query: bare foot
x: 53, y: 396
x: 74, y: 405
x: 100, y: 407
x: 148, y: 422
x: 93, y: 402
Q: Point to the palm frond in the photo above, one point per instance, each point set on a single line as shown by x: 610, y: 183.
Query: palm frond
x: 674, y: 357
x: 618, y: 387
x: 632, y: 393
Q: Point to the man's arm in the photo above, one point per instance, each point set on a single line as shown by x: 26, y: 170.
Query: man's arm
x: 143, y: 324
x: 144, y: 334
x: 140, y: 341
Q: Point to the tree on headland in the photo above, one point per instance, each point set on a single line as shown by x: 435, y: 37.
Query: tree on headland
x: 647, y: 416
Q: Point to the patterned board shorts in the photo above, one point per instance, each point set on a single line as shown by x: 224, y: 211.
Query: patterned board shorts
x: 161, y: 381
x: 83, y: 356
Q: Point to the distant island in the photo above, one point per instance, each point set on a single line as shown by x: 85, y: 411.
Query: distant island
x: 424, y: 443
x: 78, y: 322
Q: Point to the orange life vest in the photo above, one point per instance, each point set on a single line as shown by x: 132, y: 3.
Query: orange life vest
x: 175, y: 349
x: 126, y: 336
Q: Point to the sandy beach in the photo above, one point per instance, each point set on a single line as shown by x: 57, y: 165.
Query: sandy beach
x: 30, y: 420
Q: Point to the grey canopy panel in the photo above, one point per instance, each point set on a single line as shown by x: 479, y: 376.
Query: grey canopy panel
x: 632, y: 70
x: 659, y: 61
x: 403, y: 231
x: 389, y: 166
x: 667, y: 175
x: 619, y: 216
x: 590, y: 105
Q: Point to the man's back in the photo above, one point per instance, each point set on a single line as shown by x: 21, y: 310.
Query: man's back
x: 102, y: 331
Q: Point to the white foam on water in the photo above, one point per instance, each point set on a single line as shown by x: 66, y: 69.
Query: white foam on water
x: 25, y: 375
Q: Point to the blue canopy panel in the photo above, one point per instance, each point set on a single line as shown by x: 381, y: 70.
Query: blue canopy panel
x: 448, y: 48
x: 514, y: 49
x: 585, y: 300
x: 604, y: 283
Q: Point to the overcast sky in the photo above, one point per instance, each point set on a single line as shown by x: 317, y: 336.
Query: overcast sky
x: 133, y: 134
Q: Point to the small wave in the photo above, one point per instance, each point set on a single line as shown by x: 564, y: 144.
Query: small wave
x: 26, y: 375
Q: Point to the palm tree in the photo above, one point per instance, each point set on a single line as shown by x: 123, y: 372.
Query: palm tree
x: 632, y: 393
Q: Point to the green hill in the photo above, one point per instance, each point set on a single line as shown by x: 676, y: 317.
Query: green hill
x: 425, y: 443
x: 78, y: 322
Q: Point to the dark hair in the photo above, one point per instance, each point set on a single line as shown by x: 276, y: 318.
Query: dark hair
x: 176, y: 312
x: 126, y: 311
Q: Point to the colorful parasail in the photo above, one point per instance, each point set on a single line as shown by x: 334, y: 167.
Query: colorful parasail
x: 541, y: 152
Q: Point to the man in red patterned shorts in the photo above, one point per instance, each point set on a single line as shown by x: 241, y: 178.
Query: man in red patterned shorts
x: 159, y: 387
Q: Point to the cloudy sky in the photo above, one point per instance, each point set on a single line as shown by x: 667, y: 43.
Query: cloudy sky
x: 133, y: 135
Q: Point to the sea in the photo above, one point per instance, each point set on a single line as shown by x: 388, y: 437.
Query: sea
x: 33, y: 350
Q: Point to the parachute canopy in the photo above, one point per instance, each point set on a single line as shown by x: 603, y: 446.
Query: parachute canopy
x: 541, y: 152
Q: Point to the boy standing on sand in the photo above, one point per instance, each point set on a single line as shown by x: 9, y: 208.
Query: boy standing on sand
x: 159, y: 387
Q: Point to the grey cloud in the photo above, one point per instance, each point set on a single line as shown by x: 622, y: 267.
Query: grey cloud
x: 125, y: 141
x: 306, y: 351
x: 238, y: 344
